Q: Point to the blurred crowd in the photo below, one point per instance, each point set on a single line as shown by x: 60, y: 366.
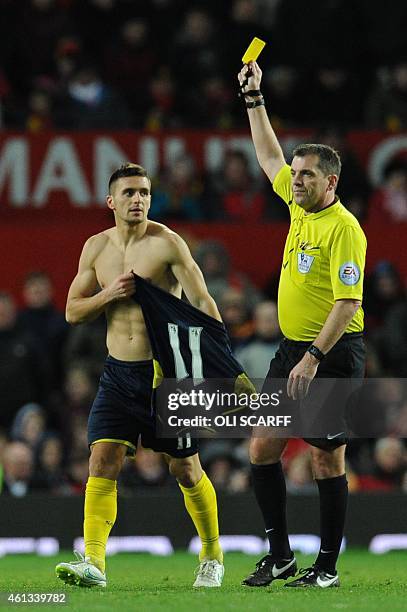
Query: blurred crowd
x: 235, y: 193
x: 49, y: 374
x: 172, y: 64
x: 112, y: 64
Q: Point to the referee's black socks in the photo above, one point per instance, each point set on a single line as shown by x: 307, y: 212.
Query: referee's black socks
x: 270, y: 491
x: 333, y: 499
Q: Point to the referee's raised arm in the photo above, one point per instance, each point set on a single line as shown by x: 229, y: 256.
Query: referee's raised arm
x: 268, y: 149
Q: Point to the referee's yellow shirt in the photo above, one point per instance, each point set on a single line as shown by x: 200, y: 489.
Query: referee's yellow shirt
x: 324, y: 261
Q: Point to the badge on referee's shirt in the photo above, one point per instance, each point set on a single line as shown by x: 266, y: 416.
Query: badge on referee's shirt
x: 304, y: 262
x: 349, y: 273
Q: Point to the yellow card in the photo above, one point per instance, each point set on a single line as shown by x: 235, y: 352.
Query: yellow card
x: 253, y: 50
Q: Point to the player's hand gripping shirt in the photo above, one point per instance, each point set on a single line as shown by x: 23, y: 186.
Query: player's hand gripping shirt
x: 324, y: 260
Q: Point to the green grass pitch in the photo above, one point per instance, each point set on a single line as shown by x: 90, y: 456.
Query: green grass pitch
x: 140, y: 582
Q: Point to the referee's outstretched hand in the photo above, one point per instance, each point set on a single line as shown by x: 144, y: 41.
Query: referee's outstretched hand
x: 250, y: 75
x: 301, y: 377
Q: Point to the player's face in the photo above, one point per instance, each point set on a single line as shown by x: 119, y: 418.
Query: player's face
x: 131, y: 199
x: 310, y: 185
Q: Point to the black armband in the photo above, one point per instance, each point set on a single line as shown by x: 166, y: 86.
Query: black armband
x: 255, y: 103
x: 253, y: 93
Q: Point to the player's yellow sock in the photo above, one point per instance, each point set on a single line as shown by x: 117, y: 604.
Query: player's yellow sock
x: 200, y: 501
x: 100, y: 515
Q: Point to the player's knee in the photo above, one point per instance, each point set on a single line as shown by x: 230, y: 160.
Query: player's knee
x: 186, y: 471
x: 327, y: 464
x: 104, y: 464
x: 265, y: 450
x: 103, y: 469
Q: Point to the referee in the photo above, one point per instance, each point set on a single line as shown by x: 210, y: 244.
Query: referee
x: 320, y: 314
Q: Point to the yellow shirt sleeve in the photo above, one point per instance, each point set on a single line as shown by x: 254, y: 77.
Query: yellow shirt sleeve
x: 282, y: 184
x: 347, y: 263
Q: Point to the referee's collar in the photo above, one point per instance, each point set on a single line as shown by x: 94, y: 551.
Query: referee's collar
x: 324, y: 212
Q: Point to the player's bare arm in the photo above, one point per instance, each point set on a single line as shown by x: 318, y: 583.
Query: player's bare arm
x: 268, y: 149
x: 187, y: 272
x: 337, y: 322
x: 83, y: 304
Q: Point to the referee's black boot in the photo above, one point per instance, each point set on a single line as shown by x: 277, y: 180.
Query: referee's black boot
x: 269, y: 569
x: 315, y: 577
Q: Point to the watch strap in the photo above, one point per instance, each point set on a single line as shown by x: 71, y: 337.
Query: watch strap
x: 314, y: 350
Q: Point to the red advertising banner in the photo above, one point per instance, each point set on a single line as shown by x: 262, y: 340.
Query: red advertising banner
x: 57, y: 171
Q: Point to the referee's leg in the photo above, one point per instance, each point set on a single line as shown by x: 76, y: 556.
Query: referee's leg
x: 328, y: 468
x: 270, y: 491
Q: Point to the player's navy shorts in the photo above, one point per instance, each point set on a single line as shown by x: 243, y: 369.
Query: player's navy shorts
x: 345, y: 360
x: 122, y: 410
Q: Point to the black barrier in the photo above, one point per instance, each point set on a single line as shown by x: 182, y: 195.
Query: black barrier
x: 162, y: 513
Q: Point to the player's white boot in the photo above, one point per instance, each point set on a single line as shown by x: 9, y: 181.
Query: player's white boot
x: 80, y: 572
x: 209, y: 574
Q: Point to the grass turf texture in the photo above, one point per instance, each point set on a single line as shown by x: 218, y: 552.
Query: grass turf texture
x: 143, y: 582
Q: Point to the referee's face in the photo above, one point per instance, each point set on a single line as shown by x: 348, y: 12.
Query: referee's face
x: 311, y: 188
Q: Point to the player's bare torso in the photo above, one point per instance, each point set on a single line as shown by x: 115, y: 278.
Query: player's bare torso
x: 150, y: 258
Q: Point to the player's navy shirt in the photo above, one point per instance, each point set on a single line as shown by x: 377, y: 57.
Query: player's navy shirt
x: 186, y: 342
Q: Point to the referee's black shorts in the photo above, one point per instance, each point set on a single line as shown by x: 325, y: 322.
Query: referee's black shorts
x: 346, y: 360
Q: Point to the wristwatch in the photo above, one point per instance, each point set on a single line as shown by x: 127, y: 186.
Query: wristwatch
x: 314, y: 350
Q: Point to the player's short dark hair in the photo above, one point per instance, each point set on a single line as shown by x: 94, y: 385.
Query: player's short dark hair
x: 126, y: 170
x: 329, y: 159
